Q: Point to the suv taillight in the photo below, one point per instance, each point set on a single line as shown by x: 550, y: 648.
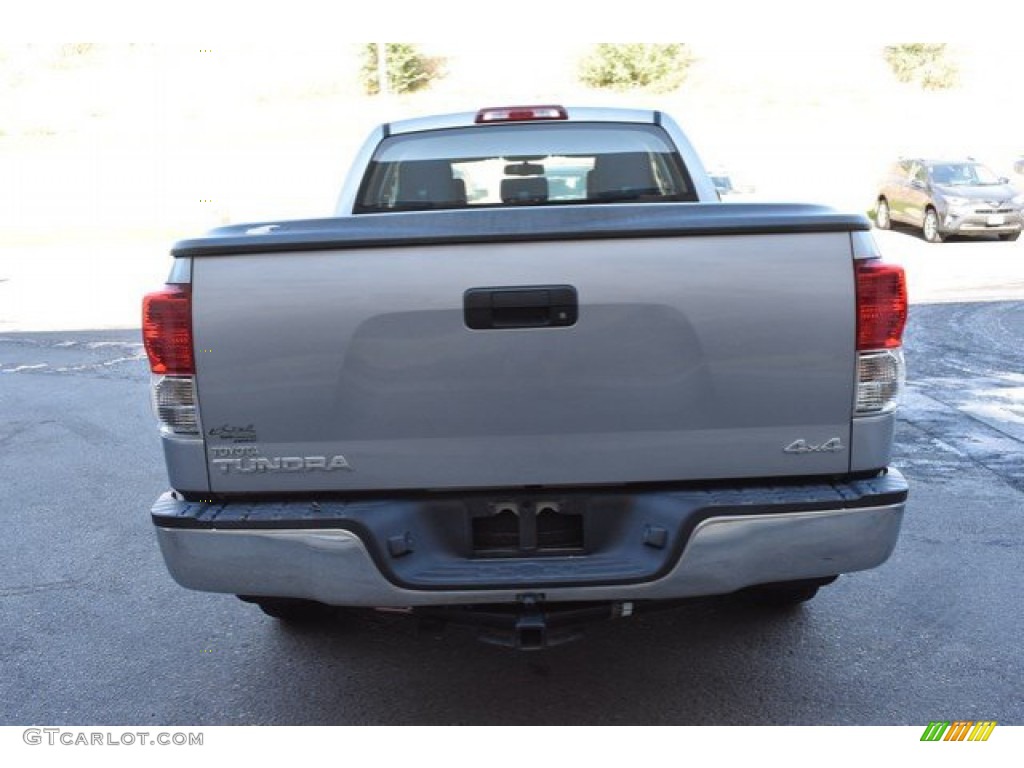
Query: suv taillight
x: 881, y: 317
x: 167, y: 335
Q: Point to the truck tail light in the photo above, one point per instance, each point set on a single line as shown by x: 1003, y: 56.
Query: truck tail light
x: 881, y: 305
x: 512, y: 114
x: 175, y: 405
x: 167, y: 336
x: 167, y: 330
x: 881, y: 317
x: 880, y: 378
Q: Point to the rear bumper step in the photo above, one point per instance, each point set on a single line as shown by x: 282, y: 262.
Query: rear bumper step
x: 631, y: 546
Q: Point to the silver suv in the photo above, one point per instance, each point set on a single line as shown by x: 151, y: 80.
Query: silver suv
x: 949, y: 197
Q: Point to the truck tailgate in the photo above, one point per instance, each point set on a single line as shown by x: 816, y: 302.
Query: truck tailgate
x: 688, y: 356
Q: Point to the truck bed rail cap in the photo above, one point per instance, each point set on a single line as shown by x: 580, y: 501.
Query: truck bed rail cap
x: 576, y: 222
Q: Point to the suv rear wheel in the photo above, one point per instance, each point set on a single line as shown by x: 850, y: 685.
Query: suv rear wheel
x: 931, y: 227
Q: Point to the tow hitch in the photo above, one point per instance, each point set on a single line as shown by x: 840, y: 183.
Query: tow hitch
x: 528, y: 625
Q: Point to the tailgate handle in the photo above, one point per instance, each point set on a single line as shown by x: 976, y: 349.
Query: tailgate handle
x: 532, y: 306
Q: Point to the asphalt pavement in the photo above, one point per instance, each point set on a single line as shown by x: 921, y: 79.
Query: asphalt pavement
x: 94, y: 631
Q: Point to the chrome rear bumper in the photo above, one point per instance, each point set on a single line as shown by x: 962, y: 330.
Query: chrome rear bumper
x: 723, y: 553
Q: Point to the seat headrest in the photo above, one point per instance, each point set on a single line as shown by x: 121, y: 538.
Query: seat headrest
x: 621, y: 175
x: 428, y: 184
x: 531, y: 189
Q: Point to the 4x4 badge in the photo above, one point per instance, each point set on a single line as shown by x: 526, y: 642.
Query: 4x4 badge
x: 802, y: 446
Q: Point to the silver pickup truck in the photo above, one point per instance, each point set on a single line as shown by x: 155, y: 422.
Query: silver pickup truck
x: 531, y: 374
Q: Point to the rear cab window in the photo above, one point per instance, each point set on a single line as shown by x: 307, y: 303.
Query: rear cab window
x: 524, y: 164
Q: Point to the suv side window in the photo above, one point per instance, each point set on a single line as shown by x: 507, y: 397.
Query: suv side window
x: 918, y: 173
